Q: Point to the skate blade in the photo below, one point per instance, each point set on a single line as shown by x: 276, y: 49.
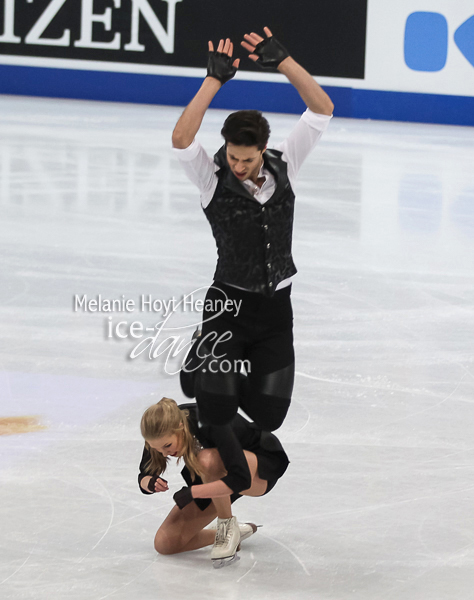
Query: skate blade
x: 219, y: 563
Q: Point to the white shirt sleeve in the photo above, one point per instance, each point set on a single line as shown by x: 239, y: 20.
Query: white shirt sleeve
x: 199, y: 168
x: 301, y: 141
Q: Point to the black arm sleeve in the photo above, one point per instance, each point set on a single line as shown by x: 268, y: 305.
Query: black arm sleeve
x: 145, y: 458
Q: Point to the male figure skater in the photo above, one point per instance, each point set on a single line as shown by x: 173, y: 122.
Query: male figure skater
x: 247, y: 196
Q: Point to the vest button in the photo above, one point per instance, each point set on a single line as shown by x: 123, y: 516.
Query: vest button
x: 268, y: 245
x: 270, y: 284
x: 269, y: 265
x: 265, y: 227
x: 263, y: 209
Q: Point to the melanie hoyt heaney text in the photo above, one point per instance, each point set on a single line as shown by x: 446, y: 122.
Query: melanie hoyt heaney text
x: 146, y: 303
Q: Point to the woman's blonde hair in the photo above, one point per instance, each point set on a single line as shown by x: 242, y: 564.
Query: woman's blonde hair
x: 166, y: 418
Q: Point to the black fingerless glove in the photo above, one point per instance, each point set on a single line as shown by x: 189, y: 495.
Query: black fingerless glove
x: 151, y: 483
x: 270, y: 54
x: 183, y: 497
x: 219, y: 66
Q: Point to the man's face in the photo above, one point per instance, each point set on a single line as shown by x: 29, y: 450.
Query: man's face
x: 244, y: 161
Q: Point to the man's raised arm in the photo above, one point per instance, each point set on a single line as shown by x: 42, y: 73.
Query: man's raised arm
x: 270, y: 55
x: 220, y: 69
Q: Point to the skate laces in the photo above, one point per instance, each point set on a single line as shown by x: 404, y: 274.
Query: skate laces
x: 223, y: 532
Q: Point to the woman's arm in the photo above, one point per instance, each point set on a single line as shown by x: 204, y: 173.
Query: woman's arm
x: 216, y: 489
x: 234, y: 462
x: 144, y: 479
x: 224, y: 438
x: 143, y: 482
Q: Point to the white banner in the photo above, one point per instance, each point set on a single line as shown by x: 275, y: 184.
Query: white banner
x: 424, y: 46
x: 386, y: 54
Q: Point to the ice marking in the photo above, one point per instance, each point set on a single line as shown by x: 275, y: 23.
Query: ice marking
x: 295, y: 556
x: 112, y: 513
x: 16, y: 425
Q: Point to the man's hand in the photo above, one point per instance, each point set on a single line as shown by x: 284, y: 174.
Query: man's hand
x: 219, y: 64
x: 267, y: 53
x: 220, y: 68
x: 272, y: 56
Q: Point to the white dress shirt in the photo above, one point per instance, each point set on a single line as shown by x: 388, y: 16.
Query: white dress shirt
x: 201, y: 168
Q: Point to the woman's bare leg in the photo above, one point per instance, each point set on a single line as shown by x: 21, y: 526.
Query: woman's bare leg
x: 214, y: 469
x: 183, y: 529
x: 259, y: 486
x: 211, y: 462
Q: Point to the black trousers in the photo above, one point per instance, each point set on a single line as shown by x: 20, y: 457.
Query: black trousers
x: 253, y: 331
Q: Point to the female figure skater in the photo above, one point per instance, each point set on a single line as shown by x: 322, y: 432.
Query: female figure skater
x: 172, y: 430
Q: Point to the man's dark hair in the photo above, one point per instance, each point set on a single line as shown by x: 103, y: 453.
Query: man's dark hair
x: 246, y: 128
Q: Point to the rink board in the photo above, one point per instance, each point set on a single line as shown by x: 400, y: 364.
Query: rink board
x: 265, y: 96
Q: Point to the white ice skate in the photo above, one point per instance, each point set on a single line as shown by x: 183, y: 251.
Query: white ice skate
x: 224, y: 551
x: 246, y: 530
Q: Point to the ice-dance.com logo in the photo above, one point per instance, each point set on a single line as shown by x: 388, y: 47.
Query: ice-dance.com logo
x: 166, y: 339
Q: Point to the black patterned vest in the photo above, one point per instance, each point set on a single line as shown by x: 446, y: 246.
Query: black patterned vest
x: 253, y: 240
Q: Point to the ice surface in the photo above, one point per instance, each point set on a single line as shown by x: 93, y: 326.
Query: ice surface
x: 378, y: 501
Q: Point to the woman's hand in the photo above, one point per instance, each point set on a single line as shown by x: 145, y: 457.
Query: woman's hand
x: 161, y: 485
x: 183, y: 497
x: 157, y: 484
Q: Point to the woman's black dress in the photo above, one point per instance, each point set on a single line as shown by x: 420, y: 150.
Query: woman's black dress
x: 272, y: 459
